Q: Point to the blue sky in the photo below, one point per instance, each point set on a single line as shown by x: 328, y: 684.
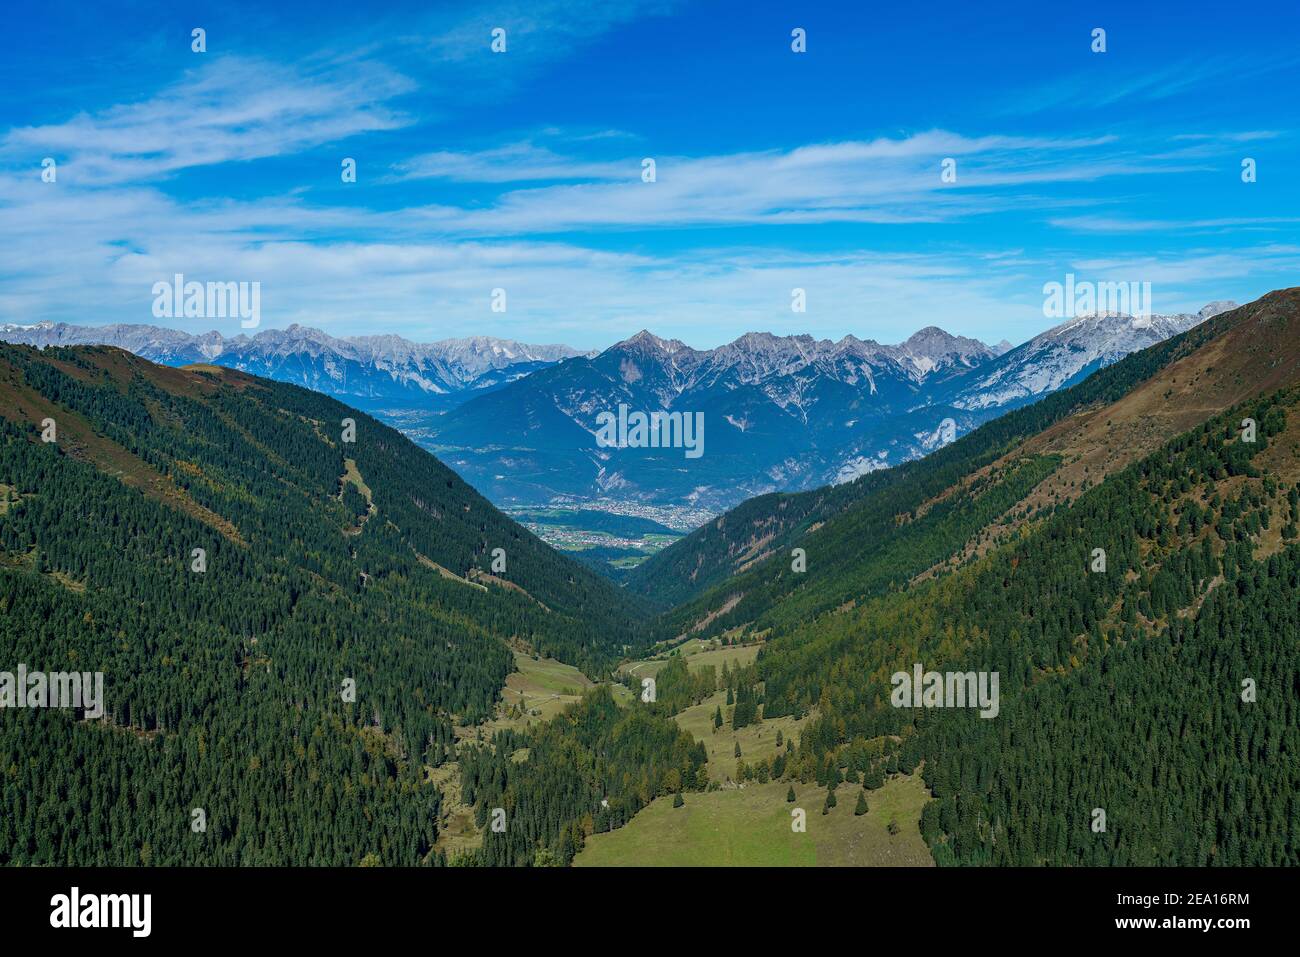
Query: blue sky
x: 522, y: 170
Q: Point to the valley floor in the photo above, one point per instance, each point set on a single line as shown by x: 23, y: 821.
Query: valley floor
x: 747, y: 825
x: 751, y: 827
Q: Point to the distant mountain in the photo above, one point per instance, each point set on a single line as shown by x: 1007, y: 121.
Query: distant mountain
x: 1069, y: 353
x: 370, y: 371
x: 700, y: 572
x: 780, y: 413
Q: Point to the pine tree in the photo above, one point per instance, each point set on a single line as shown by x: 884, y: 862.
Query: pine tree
x: 830, y: 802
x: 861, y: 808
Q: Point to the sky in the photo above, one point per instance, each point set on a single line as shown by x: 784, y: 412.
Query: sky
x: 524, y: 170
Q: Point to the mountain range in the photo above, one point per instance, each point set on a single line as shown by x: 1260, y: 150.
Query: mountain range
x: 780, y: 413
x: 370, y: 372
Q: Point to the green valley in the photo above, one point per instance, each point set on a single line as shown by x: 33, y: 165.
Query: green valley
x: 361, y: 631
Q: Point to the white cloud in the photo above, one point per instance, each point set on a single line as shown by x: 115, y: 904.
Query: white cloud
x: 1116, y: 224
x: 877, y: 181
x: 229, y: 109
x: 516, y: 162
x: 1094, y: 89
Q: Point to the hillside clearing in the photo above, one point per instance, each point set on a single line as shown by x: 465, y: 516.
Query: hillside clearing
x: 750, y: 827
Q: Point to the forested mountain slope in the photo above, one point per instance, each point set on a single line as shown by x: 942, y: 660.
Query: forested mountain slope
x: 226, y: 672
x: 1158, y: 688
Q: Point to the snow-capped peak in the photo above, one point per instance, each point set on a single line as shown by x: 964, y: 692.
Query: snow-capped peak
x: 1069, y: 352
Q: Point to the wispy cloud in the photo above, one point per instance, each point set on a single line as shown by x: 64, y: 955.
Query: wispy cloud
x: 230, y: 109
x: 535, y: 29
x: 513, y: 163
x: 886, y: 180
x: 1246, y: 136
x: 1100, y: 87
x: 1114, y: 224
x: 1179, y: 271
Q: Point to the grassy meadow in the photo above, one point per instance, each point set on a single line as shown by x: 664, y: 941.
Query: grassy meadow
x: 737, y: 827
